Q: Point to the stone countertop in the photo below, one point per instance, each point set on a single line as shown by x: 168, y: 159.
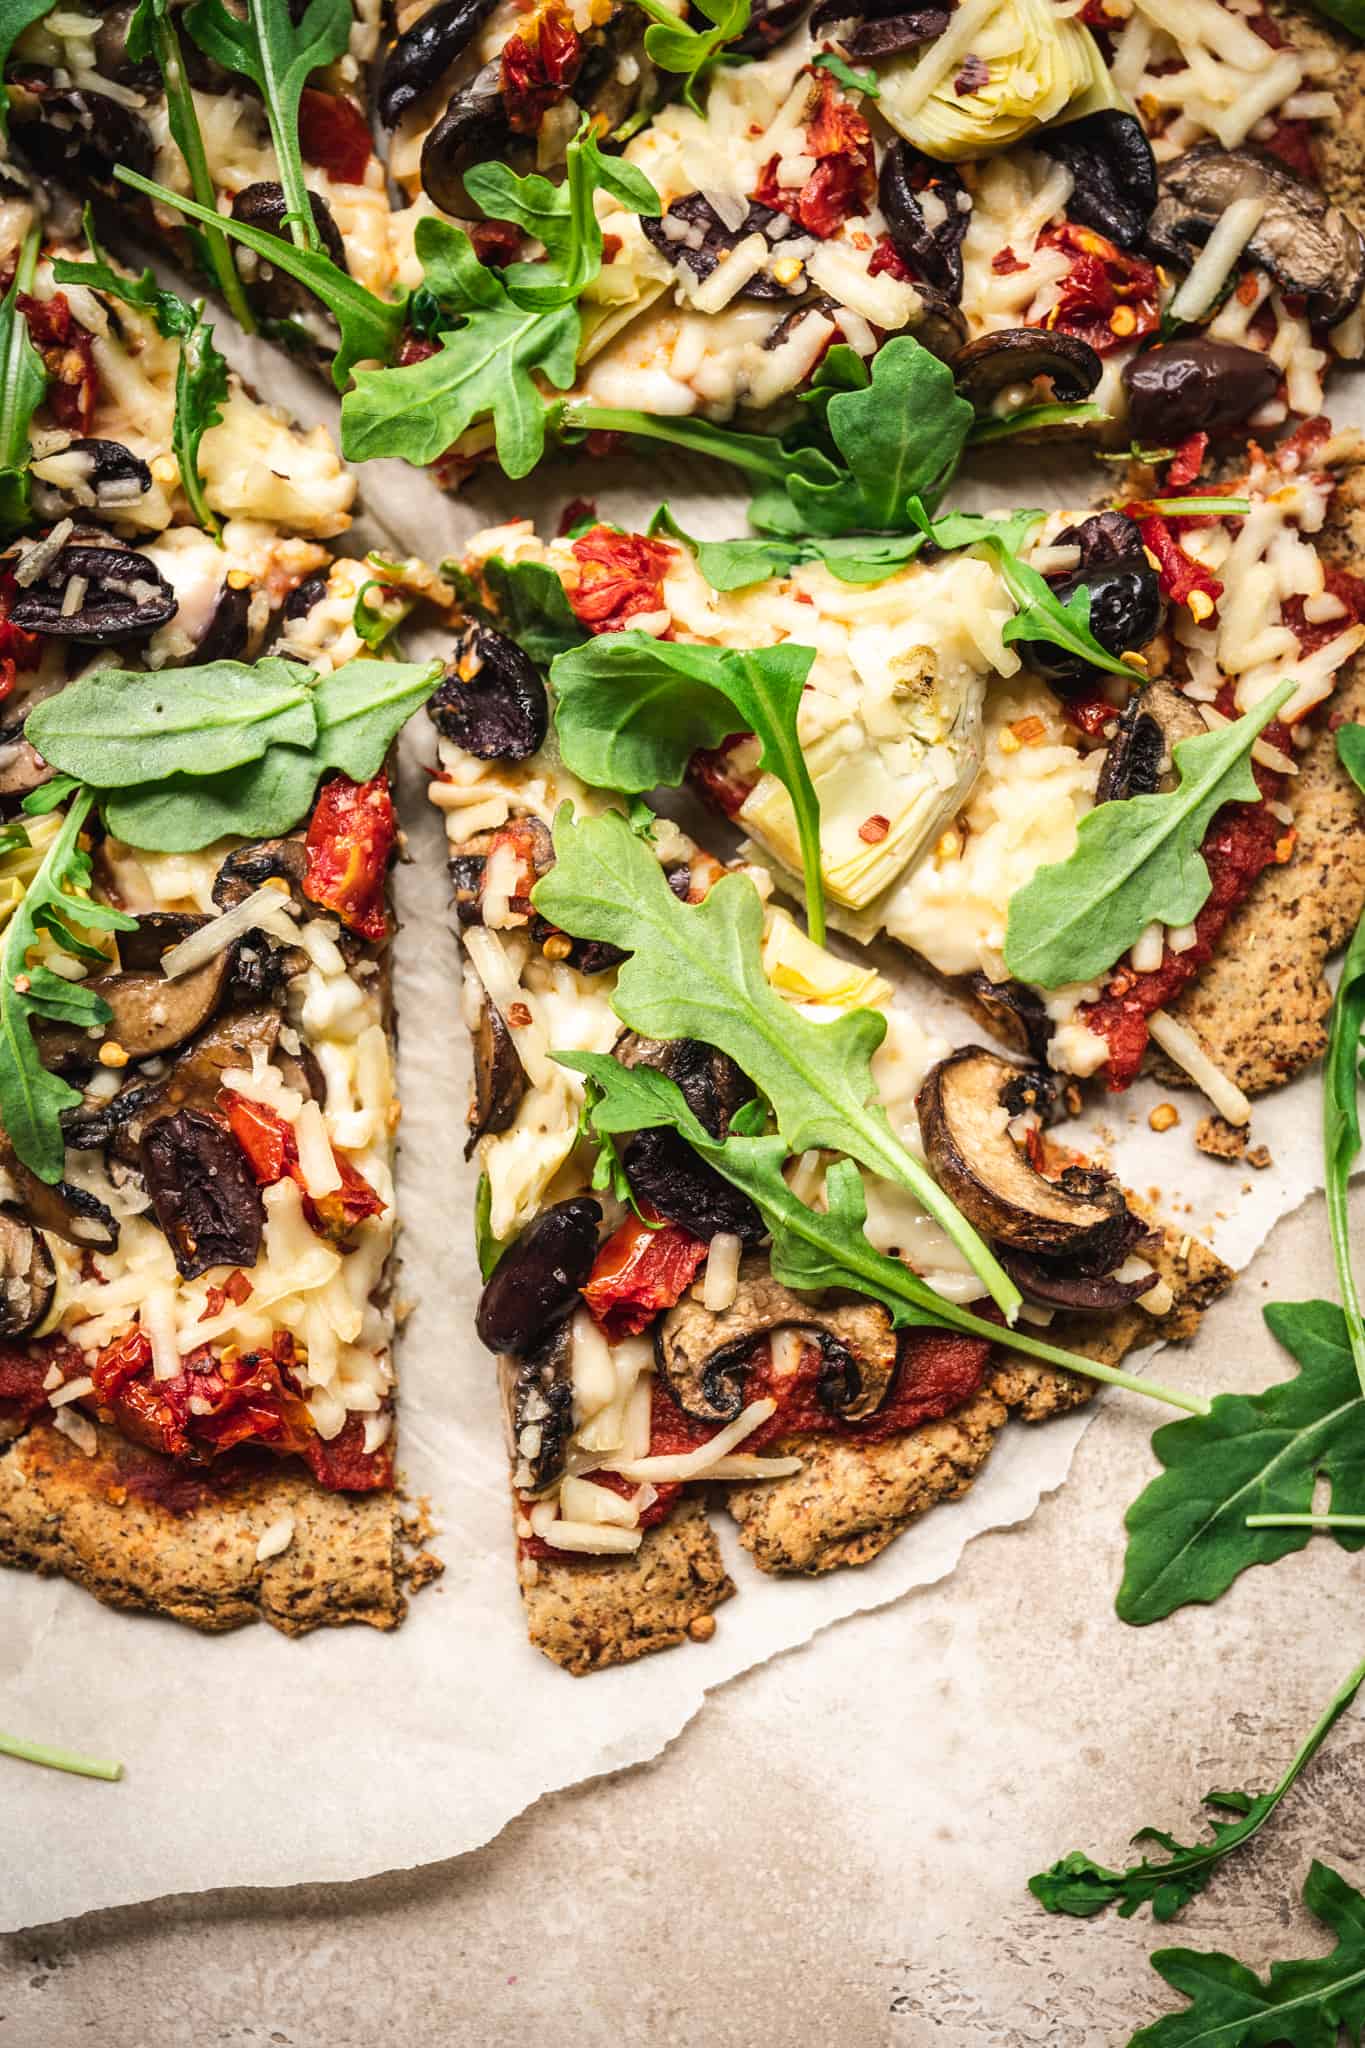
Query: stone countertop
x: 836, y: 1850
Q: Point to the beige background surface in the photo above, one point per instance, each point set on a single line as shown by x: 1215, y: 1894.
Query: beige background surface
x: 812, y: 1861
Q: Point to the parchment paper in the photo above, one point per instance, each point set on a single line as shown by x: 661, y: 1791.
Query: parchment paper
x: 252, y: 1760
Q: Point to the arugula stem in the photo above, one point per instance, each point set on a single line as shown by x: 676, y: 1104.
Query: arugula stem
x: 184, y: 120
x: 298, y: 206
x: 59, y: 1759
x: 1216, y: 508
x: 1308, y: 1521
x: 28, y: 260
x: 757, y: 453
x: 1342, y: 1056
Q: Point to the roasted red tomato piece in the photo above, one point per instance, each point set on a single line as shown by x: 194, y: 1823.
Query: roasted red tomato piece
x: 640, y: 1271
x: 621, y: 575
x: 1108, y: 298
x: 68, y: 354
x: 333, y: 135
x: 537, y: 64
x: 844, y: 181
x: 350, y: 838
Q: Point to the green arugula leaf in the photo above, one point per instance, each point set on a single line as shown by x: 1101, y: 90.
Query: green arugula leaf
x: 630, y: 712
x: 201, y: 385
x: 901, y: 437
x: 152, y: 33
x: 31, y: 1098
x: 1341, y: 1076
x: 171, y: 314
x: 488, y: 1249
x: 528, y: 604
x: 372, y: 623
x: 23, y: 385
x: 812, y: 1249
x: 695, y: 972
x: 1252, y: 1454
x: 856, y: 81
x: 368, y: 326
x: 1079, y: 1886
x: 362, y: 707
x: 734, y: 564
x: 1135, y: 860
x: 278, y: 57
x: 15, y: 17
x: 868, y: 558
x: 1350, y: 14
x: 1030, y: 417
x: 58, y: 1759
x: 259, y: 800
x: 673, y: 46
x: 120, y: 728
x: 561, y: 216
x: 1300, y: 2005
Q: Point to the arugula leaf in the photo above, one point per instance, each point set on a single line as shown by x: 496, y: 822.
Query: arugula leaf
x: 734, y: 564
x: 1341, y: 1075
x: 561, y: 216
x: 528, y: 604
x: 1252, y: 1453
x: 372, y: 623
x: 1350, y: 13
x: 32, y: 1099
x: 279, y: 58
x: 901, y: 437
x: 1135, y: 860
x: 694, y: 972
x: 368, y: 326
x: 1301, y: 2004
x: 1030, y: 417
x: 673, y: 46
x: 488, y: 1249
x: 201, y: 385
x: 170, y: 312
x: 813, y: 1249
x: 1079, y: 1886
x: 58, y: 1759
x: 362, y: 707
x: 630, y: 712
x: 259, y: 800
x: 23, y: 385
x: 856, y: 81
x: 152, y: 33
x: 119, y: 728
x: 15, y: 17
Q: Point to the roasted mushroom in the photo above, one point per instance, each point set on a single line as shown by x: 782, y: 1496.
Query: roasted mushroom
x: 473, y: 129
x: 1113, y: 173
x: 248, y: 867
x: 929, y: 242
x: 965, y: 1108
x: 89, y: 476
x: 665, y: 1173
x: 263, y: 206
x: 1015, y: 1012
x: 692, y: 233
x: 711, y: 1083
x: 1139, y: 761
x: 22, y: 767
x: 148, y: 1014
x: 203, y: 1191
x: 1199, y: 386
x: 119, y: 595
x: 1052, y: 1286
x: 704, y: 1355
x: 537, y: 1397
x: 1310, y: 247
x: 421, y: 58
x: 69, y: 1212
x: 1016, y: 355
x: 537, y: 1280
x: 76, y: 137
x: 491, y: 700
x: 194, y: 1081
x: 28, y: 1278
x: 499, y: 1078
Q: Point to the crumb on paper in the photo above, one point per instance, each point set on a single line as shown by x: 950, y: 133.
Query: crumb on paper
x: 1220, y: 1139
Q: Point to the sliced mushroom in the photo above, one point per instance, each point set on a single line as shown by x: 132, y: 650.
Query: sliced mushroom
x: 499, y: 1078
x: 1139, y: 761
x: 263, y: 205
x: 491, y: 700
x: 22, y: 767
x: 203, y: 1191
x: 28, y: 1278
x: 69, y: 1212
x: 194, y: 1081
x: 704, y: 1355
x: 1198, y: 386
x: 1308, y: 245
x: 1016, y: 1012
x: 247, y: 868
x: 965, y: 1108
x: 149, y: 1014
x: 89, y: 476
x: 940, y: 326
x: 421, y: 58
x: 120, y: 595
x: 1113, y: 173
x: 679, y: 1185
x: 537, y: 1280
x: 712, y: 1085
x: 933, y: 252
x: 537, y: 1397
x: 473, y: 129
x: 1016, y: 355
x: 1052, y: 1286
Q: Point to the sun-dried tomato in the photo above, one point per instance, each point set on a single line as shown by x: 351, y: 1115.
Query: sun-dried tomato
x: 887, y: 257
x: 21, y: 649
x: 1187, y: 462
x: 415, y: 348
x: 495, y: 242
x: 272, y: 1153
x: 844, y: 181
x: 621, y: 575
x: 537, y: 64
x: 68, y: 354
x: 1108, y: 298
x: 350, y: 838
x: 713, y: 770
x: 1312, y: 634
x: 1089, y: 715
x: 1005, y: 263
x: 1180, y: 575
x: 638, y: 1272
x: 334, y: 135
x: 1293, y: 142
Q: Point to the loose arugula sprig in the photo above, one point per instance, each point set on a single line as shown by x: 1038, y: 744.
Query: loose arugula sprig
x: 59, y: 1759
x: 1341, y: 1077
x: 152, y: 33
x: 690, y: 52
x: 812, y: 1249
x: 525, y: 600
x: 23, y: 382
x: 856, y: 81
x: 56, y: 904
x: 1076, y: 1884
x: 278, y: 57
x: 1136, y: 860
x: 630, y: 711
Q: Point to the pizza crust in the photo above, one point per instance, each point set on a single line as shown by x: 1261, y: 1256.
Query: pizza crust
x: 97, y: 1520
x: 589, y: 1616
x: 851, y: 1500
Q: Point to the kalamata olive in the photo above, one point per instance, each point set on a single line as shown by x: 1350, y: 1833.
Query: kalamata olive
x: 693, y: 216
x: 537, y: 1280
x: 788, y: 324
x: 203, y: 1192
x: 881, y: 28
x: 500, y: 1079
x: 770, y: 21
x: 76, y: 137
x: 424, y: 55
x: 1105, y: 537
x: 228, y: 631
x: 304, y: 596
x: 1192, y: 387
x: 664, y: 1171
x: 933, y: 252
x: 262, y: 205
x: 1113, y: 173
x: 491, y: 700
x: 111, y: 50
x: 473, y: 129
x: 940, y: 326
x: 89, y: 476
x: 122, y: 596
x: 1125, y: 611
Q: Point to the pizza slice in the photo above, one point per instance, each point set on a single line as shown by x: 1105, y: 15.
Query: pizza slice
x: 708, y: 1261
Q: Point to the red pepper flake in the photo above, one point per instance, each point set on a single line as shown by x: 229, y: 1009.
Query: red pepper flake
x: 1107, y: 297
x: 844, y: 181
x: 975, y: 73
x: 350, y: 837
x: 874, y: 829
x: 68, y: 354
x: 537, y: 64
x: 1187, y: 462
x: 1005, y: 263
x: 334, y: 135
x: 621, y: 576
x: 518, y: 1016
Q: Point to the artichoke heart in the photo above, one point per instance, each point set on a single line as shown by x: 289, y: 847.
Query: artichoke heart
x: 883, y: 799
x: 1038, y: 64
x: 806, y: 973
x: 622, y: 289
